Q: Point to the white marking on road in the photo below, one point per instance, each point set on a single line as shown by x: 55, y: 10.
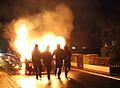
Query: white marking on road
x: 106, y: 76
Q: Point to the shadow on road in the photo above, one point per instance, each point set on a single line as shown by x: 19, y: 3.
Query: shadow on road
x: 66, y: 83
x: 72, y: 83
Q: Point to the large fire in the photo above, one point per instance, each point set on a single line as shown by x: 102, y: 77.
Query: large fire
x: 48, y: 27
x: 25, y: 45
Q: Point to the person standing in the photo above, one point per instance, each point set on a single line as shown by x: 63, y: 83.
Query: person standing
x: 36, y: 60
x: 59, y: 55
x: 67, y: 60
x: 47, y: 60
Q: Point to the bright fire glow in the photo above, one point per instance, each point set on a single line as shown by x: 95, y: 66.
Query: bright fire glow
x: 25, y: 44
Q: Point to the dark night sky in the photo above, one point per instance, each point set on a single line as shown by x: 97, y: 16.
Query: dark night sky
x: 90, y: 15
x: 105, y: 11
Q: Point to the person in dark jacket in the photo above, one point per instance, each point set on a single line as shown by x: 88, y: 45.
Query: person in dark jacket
x: 67, y: 60
x: 47, y: 60
x: 36, y: 60
x: 59, y: 55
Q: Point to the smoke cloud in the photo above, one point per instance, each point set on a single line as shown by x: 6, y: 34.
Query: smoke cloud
x: 58, y: 21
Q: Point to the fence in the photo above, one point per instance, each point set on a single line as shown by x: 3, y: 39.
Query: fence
x: 78, y: 60
x: 96, y: 60
x: 115, y: 65
x: 92, y: 59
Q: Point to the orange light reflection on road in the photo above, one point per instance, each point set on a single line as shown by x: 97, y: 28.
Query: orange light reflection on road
x: 31, y: 82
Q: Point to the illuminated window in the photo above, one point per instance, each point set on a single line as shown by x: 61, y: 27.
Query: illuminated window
x: 73, y: 47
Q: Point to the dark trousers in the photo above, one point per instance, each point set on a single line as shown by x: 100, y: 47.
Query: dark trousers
x: 66, y: 70
x: 48, y: 72
x: 59, y: 71
x: 38, y: 71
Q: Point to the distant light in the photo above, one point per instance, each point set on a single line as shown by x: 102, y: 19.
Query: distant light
x: 10, y: 62
x: 84, y: 47
x: 1, y: 55
x: 113, y: 43
x: 105, y: 45
x: 73, y: 47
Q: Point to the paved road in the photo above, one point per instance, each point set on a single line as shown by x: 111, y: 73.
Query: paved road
x: 76, y: 79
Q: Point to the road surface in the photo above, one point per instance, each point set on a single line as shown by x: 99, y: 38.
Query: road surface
x: 76, y: 79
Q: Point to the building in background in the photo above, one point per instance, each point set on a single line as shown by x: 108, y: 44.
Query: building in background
x: 110, y: 36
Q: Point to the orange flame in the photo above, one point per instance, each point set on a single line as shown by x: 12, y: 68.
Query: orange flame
x: 25, y: 45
